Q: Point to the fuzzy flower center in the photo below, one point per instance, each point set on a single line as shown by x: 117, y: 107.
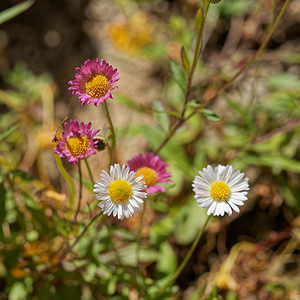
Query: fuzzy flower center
x: 119, y: 191
x: 77, y: 145
x: 97, y: 86
x: 150, y: 176
x: 220, y: 191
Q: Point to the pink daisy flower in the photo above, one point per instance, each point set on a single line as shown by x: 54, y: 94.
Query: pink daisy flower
x: 94, y: 82
x: 154, y: 170
x: 76, y: 141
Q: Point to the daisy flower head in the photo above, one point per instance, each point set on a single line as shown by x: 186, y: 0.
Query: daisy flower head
x: 76, y: 141
x: 221, y: 189
x: 154, y: 170
x: 120, y: 192
x: 94, y: 82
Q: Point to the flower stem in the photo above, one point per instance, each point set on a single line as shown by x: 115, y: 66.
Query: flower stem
x: 186, y: 259
x: 80, y: 191
x: 89, y: 171
x: 68, y: 178
x: 139, y: 237
x: 112, y: 149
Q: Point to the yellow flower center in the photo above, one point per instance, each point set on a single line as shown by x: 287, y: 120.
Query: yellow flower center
x: 220, y: 191
x: 119, y: 191
x: 77, y: 145
x: 97, y: 86
x: 150, y: 176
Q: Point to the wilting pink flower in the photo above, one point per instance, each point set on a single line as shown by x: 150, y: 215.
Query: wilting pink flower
x: 153, y: 168
x: 94, y: 82
x: 76, y: 141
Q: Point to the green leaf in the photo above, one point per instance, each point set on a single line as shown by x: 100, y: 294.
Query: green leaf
x: 189, y: 221
x: 210, y: 115
x: 284, y: 81
x: 270, y: 287
x: 199, y: 20
x: 127, y: 255
x: 290, y: 195
x: 293, y: 58
x: 9, y: 131
x: 166, y: 262
x: 178, y: 75
x: 112, y: 285
x: 18, y: 291
x: 161, y: 116
x: 273, y: 161
x: 194, y: 103
x: 184, y: 60
x: 19, y: 173
x: 13, y: 11
x: 161, y: 230
x: 235, y: 8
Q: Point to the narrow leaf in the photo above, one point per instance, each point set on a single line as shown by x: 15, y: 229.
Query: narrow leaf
x: 210, y: 115
x: 13, y: 11
x: 184, y: 60
x: 9, y: 131
x: 178, y: 74
x: 199, y: 20
x: 194, y: 103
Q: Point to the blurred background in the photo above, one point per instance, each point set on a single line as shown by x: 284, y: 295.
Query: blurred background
x: 253, y: 125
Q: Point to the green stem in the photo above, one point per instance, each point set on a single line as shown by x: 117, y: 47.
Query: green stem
x: 68, y: 178
x: 80, y: 191
x: 186, y: 259
x: 139, y: 237
x: 112, y: 149
x: 89, y: 171
x: 194, y: 63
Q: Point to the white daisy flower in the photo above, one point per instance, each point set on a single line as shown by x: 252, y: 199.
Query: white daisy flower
x: 120, y: 192
x: 220, y: 189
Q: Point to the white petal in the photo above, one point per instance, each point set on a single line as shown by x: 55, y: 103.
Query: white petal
x: 233, y: 206
x: 205, y: 203
x: 211, y: 209
x: 238, y: 196
x: 237, y: 202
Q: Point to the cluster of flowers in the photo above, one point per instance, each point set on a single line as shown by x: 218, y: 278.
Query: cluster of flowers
x: 121, y: 191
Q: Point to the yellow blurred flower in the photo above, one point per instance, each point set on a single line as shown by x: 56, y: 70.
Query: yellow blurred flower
x: 19, y: 273
x: 132, y: 34
x: 34, y: 248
